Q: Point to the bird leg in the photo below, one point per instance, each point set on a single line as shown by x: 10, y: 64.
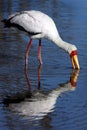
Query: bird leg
x: 39, y: 52
x: 27, y: 51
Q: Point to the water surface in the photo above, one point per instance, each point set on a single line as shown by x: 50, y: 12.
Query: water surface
x: 44, y: 97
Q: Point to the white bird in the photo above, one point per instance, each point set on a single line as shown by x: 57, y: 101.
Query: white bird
x: 39, y: 25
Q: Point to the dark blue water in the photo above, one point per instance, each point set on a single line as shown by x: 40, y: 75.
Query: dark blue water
x: 51, y: 96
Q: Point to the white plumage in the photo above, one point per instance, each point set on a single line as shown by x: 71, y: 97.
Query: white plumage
x: 35, y: 22
x: 39, y: 25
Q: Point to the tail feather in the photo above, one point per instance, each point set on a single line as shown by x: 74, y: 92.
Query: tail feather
x: 6, y: 23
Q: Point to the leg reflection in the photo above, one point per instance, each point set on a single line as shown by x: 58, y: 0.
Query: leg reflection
x: 27, y: 76
x: 39, y: 75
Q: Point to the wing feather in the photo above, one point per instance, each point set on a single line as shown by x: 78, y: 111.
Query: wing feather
x: 27, y: 21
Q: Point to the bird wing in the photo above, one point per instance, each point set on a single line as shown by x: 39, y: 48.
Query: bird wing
x: 26, y: 21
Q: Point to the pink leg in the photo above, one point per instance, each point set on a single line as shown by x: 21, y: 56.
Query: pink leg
x: 39, y: 52
x: 27, y: 51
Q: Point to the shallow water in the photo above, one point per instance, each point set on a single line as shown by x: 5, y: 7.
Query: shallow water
x: 43, y: 95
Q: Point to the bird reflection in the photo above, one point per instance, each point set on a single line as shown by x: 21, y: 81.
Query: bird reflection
x: 34, y: 105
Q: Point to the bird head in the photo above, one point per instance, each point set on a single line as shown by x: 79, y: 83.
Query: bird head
x: 74, y: 59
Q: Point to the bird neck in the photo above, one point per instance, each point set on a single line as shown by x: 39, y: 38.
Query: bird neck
x: 64, y: 45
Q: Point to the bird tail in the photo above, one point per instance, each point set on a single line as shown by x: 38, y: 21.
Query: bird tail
x: 6, y: 22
